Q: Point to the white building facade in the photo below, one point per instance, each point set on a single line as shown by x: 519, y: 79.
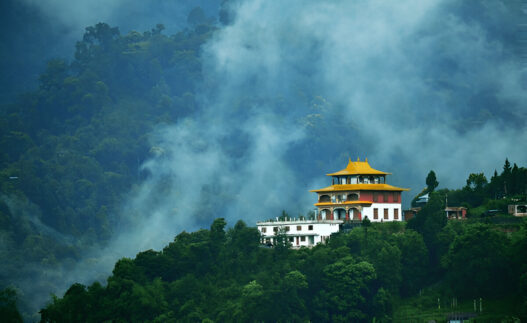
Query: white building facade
x: 300, y: 233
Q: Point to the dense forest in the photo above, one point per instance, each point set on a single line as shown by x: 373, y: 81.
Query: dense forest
x: 73, y: 150
x: 383, y: 271
x: 224, y: 275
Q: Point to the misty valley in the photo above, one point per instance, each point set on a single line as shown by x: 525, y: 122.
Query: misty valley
x: 165, y: 162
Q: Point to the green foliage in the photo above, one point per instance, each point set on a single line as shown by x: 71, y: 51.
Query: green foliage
x: 429, y: 222
x: 431, y: 181
x: 476, y: 262
x: 71, y: 148
x: 8, y: 309
x: 347, y: 290
x: 225, y: 276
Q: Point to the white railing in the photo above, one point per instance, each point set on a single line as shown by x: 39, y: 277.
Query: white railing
x: 295, y: 220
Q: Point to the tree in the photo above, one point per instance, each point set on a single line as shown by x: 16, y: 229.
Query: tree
x: 477, y: 263
x: 196, y: 17
x: 431, y: 181
x: 347, y: 290
x: 366, y: 223
x: 476, y: 182
x: 293, y: 284
x: 414, y: 261
x: 429, y: 222
x: 8, y: 309
x: 476, y: 189
x: 217, y: 231
x: 506, y: 177
x: 282, y: 241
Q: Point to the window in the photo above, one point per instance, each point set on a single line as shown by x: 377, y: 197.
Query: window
x: 395, y: 197
x: 298, y: 228
x: 264, y: 230
x: 375, y: 213
x: 386, y: 214
x: 385, y: 197
x: 275, y: 229
x: 396, y: 214
x: 310, y: 228
x: 287, y: 229
x: 375, y: 197
x: 302, y: 238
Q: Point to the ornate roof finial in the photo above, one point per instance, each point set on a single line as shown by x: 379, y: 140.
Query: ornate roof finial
x: 366, y: 159
x: 358, y: 158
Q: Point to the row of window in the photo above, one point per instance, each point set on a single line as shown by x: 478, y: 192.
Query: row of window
x: 395, y: 196
x: 386, y: 216
x: 292, y: 239
x: 287, y: 228
x: 354, y: 197
x: 358, y: 180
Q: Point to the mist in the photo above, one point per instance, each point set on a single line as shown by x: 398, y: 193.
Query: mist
x: 292, y: 90
x: 412, y: 86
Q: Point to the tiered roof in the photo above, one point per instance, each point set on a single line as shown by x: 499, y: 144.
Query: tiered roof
x: 362, y: 187
x: 359, y: 168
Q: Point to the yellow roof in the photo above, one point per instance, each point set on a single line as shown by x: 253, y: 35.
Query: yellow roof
x: 361, y: 187
x: 346, y: 202
x: 358, y: 168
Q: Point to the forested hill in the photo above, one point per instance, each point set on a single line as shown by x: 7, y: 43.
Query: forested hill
x: 419, y: 270
x: 380, y: 271
x: 86, y: 125
x: 72, y: 148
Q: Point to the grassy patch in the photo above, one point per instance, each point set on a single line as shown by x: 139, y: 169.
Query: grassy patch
x: 431, y: 306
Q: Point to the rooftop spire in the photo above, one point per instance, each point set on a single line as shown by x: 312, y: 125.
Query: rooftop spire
x: 358, y: 168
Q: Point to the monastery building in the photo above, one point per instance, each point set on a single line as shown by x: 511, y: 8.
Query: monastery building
x: 356, y: 192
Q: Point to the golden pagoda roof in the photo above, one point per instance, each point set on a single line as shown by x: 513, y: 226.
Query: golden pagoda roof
x: 358, y: 168
x: 360, y: 187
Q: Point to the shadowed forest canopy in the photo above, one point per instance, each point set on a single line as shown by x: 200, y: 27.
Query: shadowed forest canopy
x: 220, y: 275
x: 72, y: 149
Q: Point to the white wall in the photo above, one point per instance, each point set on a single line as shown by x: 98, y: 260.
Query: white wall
x: 321, y: 230
x: 368, y: 211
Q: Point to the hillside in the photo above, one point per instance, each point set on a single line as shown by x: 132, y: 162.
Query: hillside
x: 218, y: 274
x: 72, y: 150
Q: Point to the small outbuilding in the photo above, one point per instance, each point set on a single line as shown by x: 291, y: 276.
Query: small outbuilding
x: 456, y: 212
x: 518, y: 209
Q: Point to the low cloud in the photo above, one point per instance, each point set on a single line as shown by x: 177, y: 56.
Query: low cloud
x: 291, y: 90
